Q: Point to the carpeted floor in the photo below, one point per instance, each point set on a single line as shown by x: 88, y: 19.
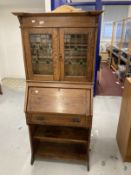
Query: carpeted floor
x: 107, y: 85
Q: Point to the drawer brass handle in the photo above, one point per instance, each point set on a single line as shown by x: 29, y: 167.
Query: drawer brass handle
x: 41, y: 22
x: 76, y: 119
x: 40, y: 118
x: 33, y: 21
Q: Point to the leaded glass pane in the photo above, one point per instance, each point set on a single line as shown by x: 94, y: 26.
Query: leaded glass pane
x: 75, y: 54
x: 41, y: 51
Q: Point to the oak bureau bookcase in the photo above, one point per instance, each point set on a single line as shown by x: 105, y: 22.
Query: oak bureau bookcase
x: 59, y: 56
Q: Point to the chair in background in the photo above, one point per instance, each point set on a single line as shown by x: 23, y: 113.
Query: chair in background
x: 99, y: 70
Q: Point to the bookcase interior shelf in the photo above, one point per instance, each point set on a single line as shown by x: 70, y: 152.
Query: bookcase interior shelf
x: 61, y: 134
x: 68, y: 152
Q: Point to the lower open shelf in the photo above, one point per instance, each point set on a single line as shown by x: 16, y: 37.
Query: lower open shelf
x: 70, y: 144
x: 61, y: 134
x: 64, y: 151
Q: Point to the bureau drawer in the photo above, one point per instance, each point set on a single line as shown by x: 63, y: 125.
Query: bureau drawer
x: 80, y: 121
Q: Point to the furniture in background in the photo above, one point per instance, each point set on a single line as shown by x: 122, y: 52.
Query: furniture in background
x: 59, y: 54
x: 104, y: 57
x: 120, y: 49
x: 104, y: 44
x: 124, y: 126
x: 99, y: 69
x: 0, y: 89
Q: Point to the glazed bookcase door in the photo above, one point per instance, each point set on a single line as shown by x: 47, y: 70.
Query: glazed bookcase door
x: 41, y: 47
x: 76, y: 53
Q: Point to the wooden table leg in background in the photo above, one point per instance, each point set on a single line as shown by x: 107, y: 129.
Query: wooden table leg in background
x: 0, y: 89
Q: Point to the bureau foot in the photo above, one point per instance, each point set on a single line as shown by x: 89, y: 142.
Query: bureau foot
x: 88, y: 160
x: 88, y: 166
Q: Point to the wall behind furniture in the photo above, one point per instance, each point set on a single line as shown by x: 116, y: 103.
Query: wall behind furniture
x: 2, y: 54
x: 129, y: 11
x: 11, y: 56
x: 111, y: 13
x: 114, y: 13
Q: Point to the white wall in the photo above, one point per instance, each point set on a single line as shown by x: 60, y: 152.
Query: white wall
x: 129, y: 11
x: 2, y: 54
x: 114, y: 13
x: 11, y: 56
x: 11, y: 41
x: 47, y: 5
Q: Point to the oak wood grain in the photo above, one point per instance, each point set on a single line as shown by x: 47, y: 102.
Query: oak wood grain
x: 58, y: 101
x: 59, y: 108
x: 124, y: 125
